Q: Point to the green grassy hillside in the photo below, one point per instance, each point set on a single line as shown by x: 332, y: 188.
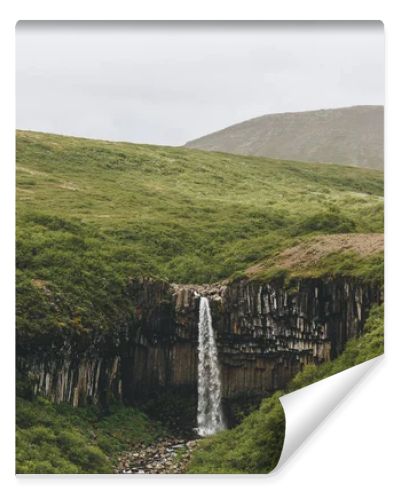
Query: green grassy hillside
x: 255, y: 445
x: 59, y: 439
x: 92, y: 213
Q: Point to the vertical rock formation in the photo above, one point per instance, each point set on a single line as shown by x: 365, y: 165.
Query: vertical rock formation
x: 265, y: 332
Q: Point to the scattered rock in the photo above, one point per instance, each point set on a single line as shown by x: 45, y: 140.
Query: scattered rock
x: 166, y: 456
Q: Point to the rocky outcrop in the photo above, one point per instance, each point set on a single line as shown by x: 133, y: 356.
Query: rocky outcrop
x: 266, y: 333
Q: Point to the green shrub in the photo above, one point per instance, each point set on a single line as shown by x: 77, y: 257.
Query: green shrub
x: 60, y: 439
x: 254, y: 446
x: 328, y: 222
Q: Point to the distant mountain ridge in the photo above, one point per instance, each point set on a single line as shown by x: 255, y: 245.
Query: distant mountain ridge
x: 347, y: 136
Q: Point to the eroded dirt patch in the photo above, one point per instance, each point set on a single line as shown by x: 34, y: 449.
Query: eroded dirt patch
x: 309, y: 252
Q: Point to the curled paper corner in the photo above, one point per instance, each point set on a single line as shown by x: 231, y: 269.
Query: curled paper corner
x: 306, y: 408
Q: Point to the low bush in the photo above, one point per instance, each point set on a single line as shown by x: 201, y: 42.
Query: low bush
x: 59, y: 439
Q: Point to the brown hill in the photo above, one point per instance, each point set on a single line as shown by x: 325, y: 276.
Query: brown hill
x: 348, y: 136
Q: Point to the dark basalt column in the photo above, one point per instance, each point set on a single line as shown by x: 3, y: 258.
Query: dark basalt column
x: 266, y: 333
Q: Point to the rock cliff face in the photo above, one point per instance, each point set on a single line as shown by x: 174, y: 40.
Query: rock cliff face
x: 265, y: 332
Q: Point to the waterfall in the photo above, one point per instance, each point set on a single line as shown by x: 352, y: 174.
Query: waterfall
x: 209, y: 409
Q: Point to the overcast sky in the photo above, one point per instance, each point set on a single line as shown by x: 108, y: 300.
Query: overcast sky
x: 167, y: 83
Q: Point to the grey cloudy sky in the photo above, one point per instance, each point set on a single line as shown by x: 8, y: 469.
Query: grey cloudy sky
x: 167, y: 83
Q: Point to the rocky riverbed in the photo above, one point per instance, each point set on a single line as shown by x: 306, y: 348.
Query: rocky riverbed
x: 166, y: 456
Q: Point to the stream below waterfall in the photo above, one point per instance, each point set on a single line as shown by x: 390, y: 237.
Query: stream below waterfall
x: 166, y: 456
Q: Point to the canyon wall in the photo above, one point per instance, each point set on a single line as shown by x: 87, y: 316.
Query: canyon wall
x: 266, y: 333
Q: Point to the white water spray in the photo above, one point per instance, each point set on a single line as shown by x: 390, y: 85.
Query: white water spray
x: 209, y: 409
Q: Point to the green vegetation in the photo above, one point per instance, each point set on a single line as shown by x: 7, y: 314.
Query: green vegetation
x: 336, y: 264
x: 93, y: 214
x: 90, y: 214
x: 350, y: 264
x: 255, y: 445
x: 53, y: 439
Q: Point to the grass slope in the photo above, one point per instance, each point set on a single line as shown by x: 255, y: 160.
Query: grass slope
x: 359, y: 255
x: 59, y: 439
x: 91, y: 213
x: 255, y: 445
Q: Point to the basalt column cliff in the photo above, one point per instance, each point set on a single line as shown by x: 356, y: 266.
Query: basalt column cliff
x: 265, y: 332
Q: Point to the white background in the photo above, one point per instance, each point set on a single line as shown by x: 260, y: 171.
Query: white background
x: 354, y: 453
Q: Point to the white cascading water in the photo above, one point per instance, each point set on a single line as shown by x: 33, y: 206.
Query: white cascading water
x: 209, y: 408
